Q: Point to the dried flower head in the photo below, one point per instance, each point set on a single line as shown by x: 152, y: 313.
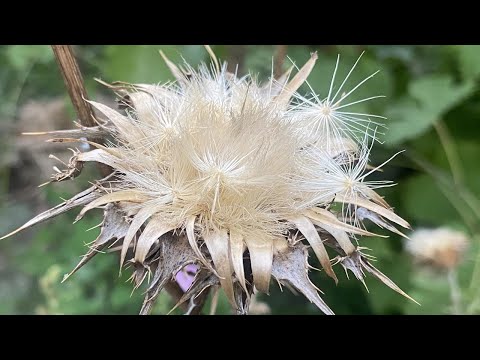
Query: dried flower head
x: 233, y: 176
x: 440, y: 248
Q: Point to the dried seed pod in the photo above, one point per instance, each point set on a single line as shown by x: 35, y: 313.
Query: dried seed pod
x: 219, y: 172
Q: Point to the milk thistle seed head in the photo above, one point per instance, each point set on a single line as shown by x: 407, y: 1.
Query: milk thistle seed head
x: 233, y: 176
x: 440, y: 248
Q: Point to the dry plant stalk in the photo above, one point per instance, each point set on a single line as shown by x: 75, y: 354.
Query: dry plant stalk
x: 239, y: 178
x: 74, y: 82
x: 278, y: 61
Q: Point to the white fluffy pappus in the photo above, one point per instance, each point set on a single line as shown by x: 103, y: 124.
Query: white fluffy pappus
x: 238, y: 166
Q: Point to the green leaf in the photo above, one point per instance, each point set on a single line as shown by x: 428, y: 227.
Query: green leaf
x: 468, y: 57
x: 430, y: 98
x: 424, y: 202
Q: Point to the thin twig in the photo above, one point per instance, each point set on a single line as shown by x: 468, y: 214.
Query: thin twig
x: 468, y: 218
x: 450, y: 151
x: 474, y: 282
x: 74, y: 82
x: 279, y: 60
x: 213, y: 306
x: 76, y: 90
x: 200, y: 302
x: 176, y: 293
x: 446, y: 180
x: 235, y: 58
x: 455, y: 292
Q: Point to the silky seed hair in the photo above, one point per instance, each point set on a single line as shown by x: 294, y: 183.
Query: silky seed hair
x: 235, y: 176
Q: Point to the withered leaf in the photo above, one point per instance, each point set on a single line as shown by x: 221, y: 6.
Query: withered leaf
x: 390, y: 215
x: 81, y: 198
x: 217, y: 244
x: 174, y: 253
x: 290, y: 265
x: 114, y: 227
x: 261, y: 255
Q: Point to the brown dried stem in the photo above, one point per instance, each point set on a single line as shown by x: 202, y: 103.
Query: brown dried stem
x: 279, y: 60
x: 235, y: 58
x: 74, y: 82
x: 76, y: 90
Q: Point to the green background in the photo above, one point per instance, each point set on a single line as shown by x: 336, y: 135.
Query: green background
x: 433, y: 109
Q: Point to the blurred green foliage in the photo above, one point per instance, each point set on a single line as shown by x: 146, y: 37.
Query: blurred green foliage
x: 426, y: 88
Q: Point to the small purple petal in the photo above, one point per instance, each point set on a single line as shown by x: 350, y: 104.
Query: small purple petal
x: 185, y: 276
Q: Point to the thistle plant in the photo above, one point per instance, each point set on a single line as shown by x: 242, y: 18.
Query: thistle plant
x: 441, y: 250
x: 242, y: 179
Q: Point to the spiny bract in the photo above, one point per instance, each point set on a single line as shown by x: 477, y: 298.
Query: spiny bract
x: 234, y: 176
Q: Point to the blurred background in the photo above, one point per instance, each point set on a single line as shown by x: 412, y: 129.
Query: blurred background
x: 433, y: 108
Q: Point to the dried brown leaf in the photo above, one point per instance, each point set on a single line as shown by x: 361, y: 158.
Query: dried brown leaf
x: 82, y: 198
x: 276, y: 86
x: 376, y: 198
x: 114, y: 227
x: 354, y: 264
x: 174, y: 253
x: 123, y: 123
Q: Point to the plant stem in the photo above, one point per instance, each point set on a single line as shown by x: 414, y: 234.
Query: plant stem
x: 475, y: 281
x: 235, y: 58
x: 279, y: 59
x: 213, y: 307
x: 76, y: 90
x: 450, y: 151
x: 455, y: 292
x: 74, y: 81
